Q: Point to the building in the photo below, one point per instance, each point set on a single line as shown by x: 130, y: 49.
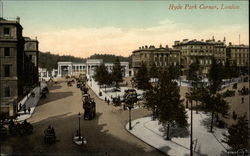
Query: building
x: 187, y: 51
x: 88, y: 67
x: 11, y: 64
x: 202, y: 51
x: 238, y: 54
x: 15, y: 66
x: 161, y: 57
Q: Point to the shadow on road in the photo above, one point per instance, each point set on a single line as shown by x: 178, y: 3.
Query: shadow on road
x: 99, y: 141
x: 52, y: 96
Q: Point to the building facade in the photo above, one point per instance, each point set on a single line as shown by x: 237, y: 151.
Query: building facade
x: 88, y: 67
x: 161, y: 57
x: 11, y: 64
x: 14, y: 66
x: 202, y: 51
x: 238, y: 54
x: 187, y: 51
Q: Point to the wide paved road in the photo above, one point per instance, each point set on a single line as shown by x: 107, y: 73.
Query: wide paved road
x: 105, y: 134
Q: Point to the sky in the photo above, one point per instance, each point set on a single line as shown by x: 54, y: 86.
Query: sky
x: 85, y: 27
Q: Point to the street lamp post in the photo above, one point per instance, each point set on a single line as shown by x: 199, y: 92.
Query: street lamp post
x: 130, y: 127
x: 79, y: 130
x: 191, y: 126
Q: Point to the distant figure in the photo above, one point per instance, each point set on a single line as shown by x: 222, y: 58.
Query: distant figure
x: 24, y: 109
x: 29, y: 110
x: 242, y: 100
x: 20, y: 107
x: 234, y: 116
x: 108, y: 101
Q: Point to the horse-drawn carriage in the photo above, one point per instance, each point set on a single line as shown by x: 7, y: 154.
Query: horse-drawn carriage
x: 20, y: 128
x: 89, y: 107
x: 49, y: 135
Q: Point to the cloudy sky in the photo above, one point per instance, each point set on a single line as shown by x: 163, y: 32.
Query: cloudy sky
x: 84, y: 27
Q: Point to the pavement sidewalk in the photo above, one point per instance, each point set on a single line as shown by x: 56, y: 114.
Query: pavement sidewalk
x: 30, y: 102
x: 205, y: 143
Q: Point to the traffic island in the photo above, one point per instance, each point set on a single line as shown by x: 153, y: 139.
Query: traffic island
x: 79, y: 141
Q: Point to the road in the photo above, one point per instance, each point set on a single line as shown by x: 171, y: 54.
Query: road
x: 104, y: 134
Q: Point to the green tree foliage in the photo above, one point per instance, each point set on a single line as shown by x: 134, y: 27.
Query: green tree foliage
x: 194, y: 75
x: 142, y: 79
x: 111, y: 58
x: 117, y: 72
x: 215, y: 76
x: 238, y: 135
x: 175, y: 71
x: 230, y: 70
x: 102, y: 76
x: 165, y: 97
x: 49, y: 61
x: 153, y: 71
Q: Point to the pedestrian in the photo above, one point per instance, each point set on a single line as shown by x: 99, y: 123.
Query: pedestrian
x: 108, y: 101
x: 20, y: 107
x: 29, y: 110
x: 105, y: 99
x: 242, y: 100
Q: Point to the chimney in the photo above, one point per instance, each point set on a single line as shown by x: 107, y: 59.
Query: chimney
x: 18, y: 19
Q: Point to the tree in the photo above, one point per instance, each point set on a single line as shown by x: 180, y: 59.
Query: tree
x: 152, y: 100
x: 142, y: 79
x: 194, y: 75
x: 214, y: 102
x: 215, y: 77
x: 102, y: 75
x: 153, y: 71
x: 238, y: 135
x: 117, y: 72
x: 170, y: 107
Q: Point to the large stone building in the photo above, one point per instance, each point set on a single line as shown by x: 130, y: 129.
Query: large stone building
x: 161, y: 57
x: 14, y: 65
x: 238, y: 54
x: 88, y: 67
x: 187, y: 51
x: 202, y: 51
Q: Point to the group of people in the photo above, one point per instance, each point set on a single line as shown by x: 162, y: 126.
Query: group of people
x: 23, y: 107
x: 50, y: 131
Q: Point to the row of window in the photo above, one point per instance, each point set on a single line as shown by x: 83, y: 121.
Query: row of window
x: 7, y: 69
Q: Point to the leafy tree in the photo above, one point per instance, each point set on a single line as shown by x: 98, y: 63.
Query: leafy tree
x: 117, y: 73
x: 153, y: 71
x: 194, y: 75
x: 152, y: 100
x: 142, y: 79
x: 170, y: 107
x: 215, y: 77
x: 238, y: 135
x: 175, y: 71
x: 213, y: 101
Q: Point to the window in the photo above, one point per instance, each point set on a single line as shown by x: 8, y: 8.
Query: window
x: 6, y: 51
x: 6, y: 31
x: 6, y: 70
x: 7, y: 92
